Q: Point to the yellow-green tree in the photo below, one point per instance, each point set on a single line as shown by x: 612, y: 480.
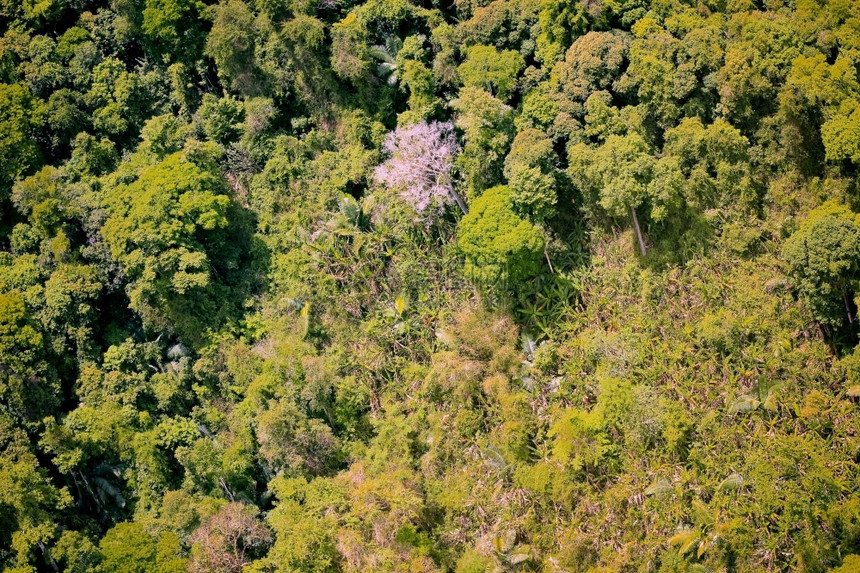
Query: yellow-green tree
x: 498, y: 244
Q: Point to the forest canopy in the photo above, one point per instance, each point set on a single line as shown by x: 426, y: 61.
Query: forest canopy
x: 426, y: 286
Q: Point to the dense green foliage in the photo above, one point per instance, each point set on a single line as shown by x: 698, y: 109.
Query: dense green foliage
x: 425, y: 286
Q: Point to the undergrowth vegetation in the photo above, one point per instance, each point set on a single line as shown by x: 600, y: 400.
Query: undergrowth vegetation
x: 423, y: 286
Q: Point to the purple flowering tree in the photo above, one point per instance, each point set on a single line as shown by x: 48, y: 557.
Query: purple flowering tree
x: 419, y: 165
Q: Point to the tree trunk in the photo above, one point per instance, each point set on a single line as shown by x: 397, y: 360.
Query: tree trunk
x: 89, y: 489
x: 549, y: 262
x: 48, y: 557
x: 638, y: 231
x: 225, y: 488
x: 457, y: 198
x: 847, y: 306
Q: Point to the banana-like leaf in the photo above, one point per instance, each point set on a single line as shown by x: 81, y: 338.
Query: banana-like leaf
x: 703, y: 547
x: 400, y: 305
x: 659, y: 488
x: 743, y: 404
x: 733, y: 481
x: 444, y: 337
x: 771, y: 404
x: 494, y: 458
x: 529, y: 345
x: 505, y: 542
x: 702, y: 513
x: 520, y: 554
x: 686, y: 539
x: 381, y: 53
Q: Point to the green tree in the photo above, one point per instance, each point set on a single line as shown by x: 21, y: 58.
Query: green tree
x: 660, y: 84
x: 302, y: 45
x: 28, y: 499
x: 850, y: 563
x: 222, y: 118
x: 488, y: 129
x: 304, y: 525
x: 560, y: 21
x: 594, y: 62
x: 231, y: 44
x: 715, y: 161
x: 823, y: 258
x: 488, y: 68
x: 293, y: 444
x: 617, y: 175
x: 499, y: 245
x: 414, y: 75
x: 602, y: 119
x: 75, y: 553
x: 756, y: 63
x: 161, y: 229
x: 65, y: 117
x: 351, y: 56
x: 39, y: 198
x: 841, y: 134
x: 118, y: 98
x: 28, y: 386
x: 530, y: 171
x: 91, y: 157
x: 19, y: 120
x: 173, y: 29
x: 70, y: 311
x: 128, y: 548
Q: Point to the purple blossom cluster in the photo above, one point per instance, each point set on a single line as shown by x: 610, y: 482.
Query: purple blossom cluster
x: 419, y: 166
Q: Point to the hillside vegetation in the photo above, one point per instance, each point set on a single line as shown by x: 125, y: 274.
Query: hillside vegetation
x: 429, y: 286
